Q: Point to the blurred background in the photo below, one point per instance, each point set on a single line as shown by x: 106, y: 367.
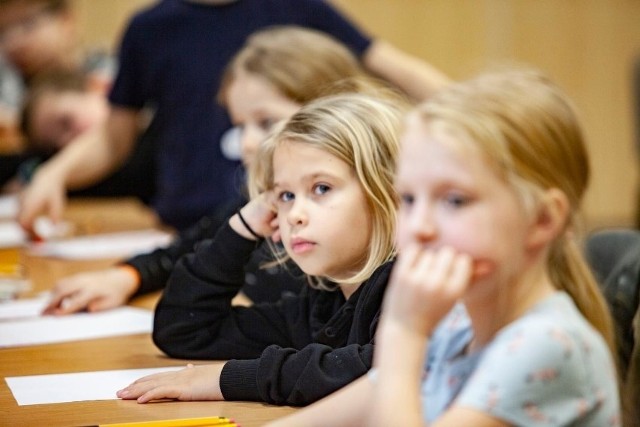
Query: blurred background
x: 588, y: 46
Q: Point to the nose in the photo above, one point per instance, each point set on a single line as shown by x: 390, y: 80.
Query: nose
x: 298, y: 215
x: 422, y: 224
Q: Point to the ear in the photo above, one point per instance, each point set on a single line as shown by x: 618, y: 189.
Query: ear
x: 550, y: 218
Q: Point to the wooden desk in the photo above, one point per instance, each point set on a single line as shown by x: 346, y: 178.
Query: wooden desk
x: 124, y: 352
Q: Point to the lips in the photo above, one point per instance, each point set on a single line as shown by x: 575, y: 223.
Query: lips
x: 301, y: 246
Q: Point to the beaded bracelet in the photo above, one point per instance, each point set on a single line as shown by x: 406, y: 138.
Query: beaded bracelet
x: 248, y: 227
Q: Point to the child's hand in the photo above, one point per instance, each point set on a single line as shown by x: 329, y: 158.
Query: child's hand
x: 260, y: 215
x: 92, y: 291
x: 191, y: 383
x: 424, y: 286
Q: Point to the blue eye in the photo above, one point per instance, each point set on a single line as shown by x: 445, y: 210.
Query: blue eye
x: 320, y: 189
x: 286, y: 196
x: 266, y: 124
x: 407, y: 199
x: 457, y: 200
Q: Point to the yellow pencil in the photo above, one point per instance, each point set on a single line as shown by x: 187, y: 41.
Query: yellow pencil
x: 186, y: 422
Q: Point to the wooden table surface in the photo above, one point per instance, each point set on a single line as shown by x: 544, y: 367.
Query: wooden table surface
x: 122, y: 352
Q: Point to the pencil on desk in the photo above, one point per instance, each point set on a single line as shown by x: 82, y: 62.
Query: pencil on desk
x: 186, y: 422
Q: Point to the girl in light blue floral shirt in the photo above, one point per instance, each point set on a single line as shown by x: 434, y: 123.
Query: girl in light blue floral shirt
x: 489, y: 278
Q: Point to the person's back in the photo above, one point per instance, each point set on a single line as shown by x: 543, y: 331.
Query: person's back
x: 172, y: 58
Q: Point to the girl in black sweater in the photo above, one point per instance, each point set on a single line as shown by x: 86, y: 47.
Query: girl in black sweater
x: 327, y: 193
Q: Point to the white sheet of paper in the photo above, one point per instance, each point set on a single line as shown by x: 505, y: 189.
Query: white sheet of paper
x: 12, y: 235
x: 22, y: 308
x: 9, y: 205
x: 110, y: 245
x: 79, y: 326
x: 74, y: 387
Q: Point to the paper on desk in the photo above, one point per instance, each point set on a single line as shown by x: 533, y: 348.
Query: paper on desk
x: 74, y: 387
x: 111, y: 245
x: 9, y: 206
x: 73, y: 327
x: 12, y: 235
x: 23, y: 308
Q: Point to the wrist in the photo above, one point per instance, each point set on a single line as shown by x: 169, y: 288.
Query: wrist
x: 240, y: 226
x: 130, y: 278
x: 50, y: 172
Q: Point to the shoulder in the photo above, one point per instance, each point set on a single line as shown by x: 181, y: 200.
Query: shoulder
x: 548, y: 365
x: 551, y: 339
x: 374, y: 286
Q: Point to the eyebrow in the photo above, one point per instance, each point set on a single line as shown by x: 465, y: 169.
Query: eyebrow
x: 312, y: 177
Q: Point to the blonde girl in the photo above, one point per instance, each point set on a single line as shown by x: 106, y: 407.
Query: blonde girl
x: 489, y: 279
x: 327, y: 192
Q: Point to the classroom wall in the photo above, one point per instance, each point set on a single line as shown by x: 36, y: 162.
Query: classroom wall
x: 588, y: 46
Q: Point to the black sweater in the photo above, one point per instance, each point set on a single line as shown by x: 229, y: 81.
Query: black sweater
x: 292, y: 352
x: 260, y: 284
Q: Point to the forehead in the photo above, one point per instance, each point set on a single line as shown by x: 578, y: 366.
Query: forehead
x: 299, y: 159
x: 433, y: 152
x: 250, y: 94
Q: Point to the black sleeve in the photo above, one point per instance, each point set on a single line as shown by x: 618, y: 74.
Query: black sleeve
x: 155, y: 267
x: 195, y: 319
x: 285, y: 376
x: 328, y: 361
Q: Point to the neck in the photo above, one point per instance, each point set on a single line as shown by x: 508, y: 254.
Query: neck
x: 348, y: 289
x: 506, y: 302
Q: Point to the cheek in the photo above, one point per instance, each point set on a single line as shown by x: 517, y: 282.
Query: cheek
x: 283, y: 227
x: 472, y: 236
x: 403, y: 236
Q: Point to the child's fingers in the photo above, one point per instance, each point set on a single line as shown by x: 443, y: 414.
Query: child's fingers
x: 436, y: 266
x: 463, y: 270
x: 69, y: 303
x: 160, y: 392
x: 54, y: 304
x: 102, y: 304
x: 136, y: 389
x: 406, y: 261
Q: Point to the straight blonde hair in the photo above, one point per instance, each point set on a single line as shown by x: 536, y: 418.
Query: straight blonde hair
x: 361, y: 130
x: 529, y: 130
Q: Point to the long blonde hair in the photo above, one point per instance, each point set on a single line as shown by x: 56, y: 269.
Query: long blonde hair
x: 529, y: 130
x: 362, y: 131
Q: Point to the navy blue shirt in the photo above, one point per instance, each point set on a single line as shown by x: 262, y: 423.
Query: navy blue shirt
x: 172, y: 57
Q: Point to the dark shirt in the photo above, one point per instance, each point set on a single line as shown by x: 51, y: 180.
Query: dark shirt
x: 171, y: 59
x: 294, y: 351
x: 260, y: 283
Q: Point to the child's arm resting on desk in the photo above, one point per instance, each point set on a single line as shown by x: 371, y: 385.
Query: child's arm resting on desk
x: 191, y: 383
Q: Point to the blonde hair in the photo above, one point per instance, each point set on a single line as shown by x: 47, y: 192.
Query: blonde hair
x: 300, y: 63
x: 529, y: 130
x: 362, y: 131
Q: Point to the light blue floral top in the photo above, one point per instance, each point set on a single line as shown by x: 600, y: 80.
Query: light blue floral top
x: 548, y: 368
